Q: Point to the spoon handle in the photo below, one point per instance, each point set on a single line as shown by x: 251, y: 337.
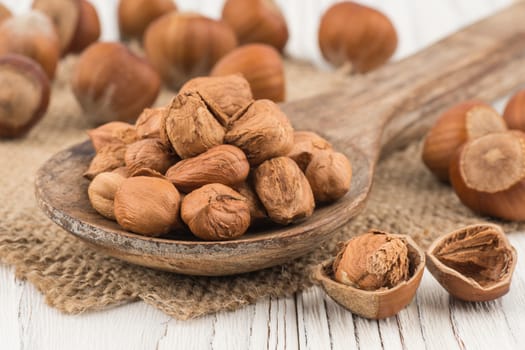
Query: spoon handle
x: 397, y: 103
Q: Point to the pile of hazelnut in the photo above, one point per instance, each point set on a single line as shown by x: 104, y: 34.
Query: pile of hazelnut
x: 482, y: 154
x: 215, y: 160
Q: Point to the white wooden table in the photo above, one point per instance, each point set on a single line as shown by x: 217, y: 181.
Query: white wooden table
x: 309, y: 320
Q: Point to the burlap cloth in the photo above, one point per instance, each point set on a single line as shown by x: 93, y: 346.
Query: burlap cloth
x: 74, y: 278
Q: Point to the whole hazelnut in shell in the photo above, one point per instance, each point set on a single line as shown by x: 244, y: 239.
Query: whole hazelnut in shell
x: 111, y: 83
x: 24, y: 94
x: 256, y: 21
x: 261, y: 65
x: 134, y: 16
x: 216, y: 212
x: 33, y: 35
x: 181, y: 46
x: 350, y: 32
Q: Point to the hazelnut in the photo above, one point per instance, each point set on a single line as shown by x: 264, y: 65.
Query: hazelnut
x: 149, y: 153
x: 190, y: 127
x: 204, y: 41
x: 329, y: 175
x: 257, y: 212
x: 474, y: 263
x: 31, y: 34
x: 149, y: 123
x: 283, y: 190
x: 24, y: 94
x: 134, y: 16
x: 374, y: 275
x: 256, y: 21
x: 101, y: 193
x: 263, y: 131
x: 111, y: 83
x: 514, y: 114
x: 224, y: 164
x: 76, y: 22
x: 107, y: 159
x: 147, y: 205
x: 261, y: 65
x: 224, y: 96
x: 216, y: 212
x: 4, y: 13
x: 488, y: 175
x: 306, y: 144
x: 122, y: 171
x: 463, y: 122
x: 112, y: 133
x: 350, y: 32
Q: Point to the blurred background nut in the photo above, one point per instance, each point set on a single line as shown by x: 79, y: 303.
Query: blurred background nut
x: 256, y: 21
x: 134, y: 16
x: 329, y: 175
x: 181, y: 46
x: 190, y: 127
x: 111, y: 83
x: 216, y: 212
x: 149, y: 153
x: 261, y: 65
x: 4, y: 13
x: 488, y: 175
x: 224, y: 164
x: 354, y: 33
x: 101, y: 193
x: 224, y: 96
x: 306, y: 144
x: 33, y: 35
x: 24, y: 94
x: 283, y: 190
x: 514, y: 114
x: 76, y: 22
x: 457, y: 125
x: 263, y: 131
x: 147, y: 205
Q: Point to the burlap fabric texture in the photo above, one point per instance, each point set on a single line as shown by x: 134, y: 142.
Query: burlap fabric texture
x: 74, y: 278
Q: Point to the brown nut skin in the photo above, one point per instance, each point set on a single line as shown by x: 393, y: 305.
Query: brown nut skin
x: 204, y: 41
x: 224, y: 164
x: 101, y: 193
x: 261, y: 65
x: 108, y: 158
x: 306, y: 144
x: 514, y: 114
x: 32, y: 35
x: 263, y: 131
x: 354, y: 33
x: 149, y: 123
x: 224, y: 96
x: 151, y: 154
x: 134, y: 16
x: 190, y: 127
x: 24, y: 94
x: 256, y: 21
x: 4, y: 13
x: 112, y: 133
x: 283, y: 190
x: 457, y: 125
x: 372, y: 261
x: 329, y: 175
x: 474, y: 263
x: 113, y: 84
x: 258, y: 214
x: 147, y: 205
x: 488, y: 175
x: 88, y: 28
x: 216, y: 212
x: 375, y: 304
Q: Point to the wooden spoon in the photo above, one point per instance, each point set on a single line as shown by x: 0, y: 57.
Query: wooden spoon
x: 381, y: 110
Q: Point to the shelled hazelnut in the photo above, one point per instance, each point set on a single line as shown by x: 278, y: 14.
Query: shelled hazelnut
x: 514, y: 114
x: 374, y: 275
x: 350, y: 32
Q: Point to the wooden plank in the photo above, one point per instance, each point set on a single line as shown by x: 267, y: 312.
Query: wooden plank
x: 283, y: 324
x: 233, y: 330
x: 11, y: 305
x: 341, y: 326
x: 312, y: 323
x: 190, y: 334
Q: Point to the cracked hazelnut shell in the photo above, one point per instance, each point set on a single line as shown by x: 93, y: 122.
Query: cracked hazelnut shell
x: 134, y: 16
x: 382, y: 302
x: 24, y: 94
x: 457, y: 125
x: 474, y: 263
